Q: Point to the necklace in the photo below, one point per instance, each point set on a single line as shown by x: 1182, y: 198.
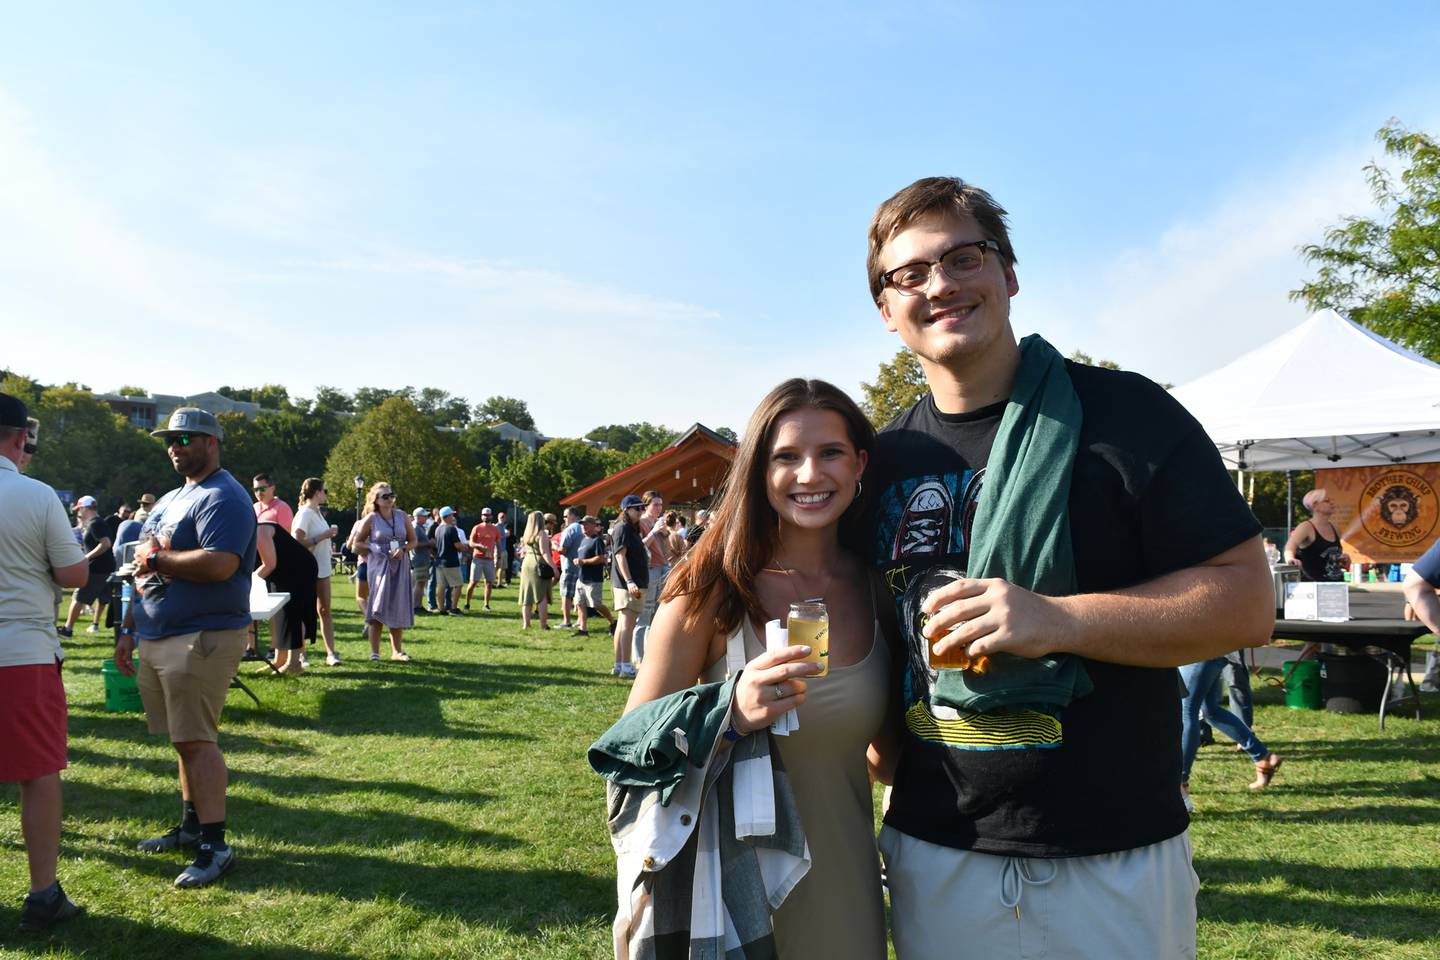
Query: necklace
x: 795, y: 584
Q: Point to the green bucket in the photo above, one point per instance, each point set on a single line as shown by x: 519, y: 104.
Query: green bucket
x: 1302, y: 690
x: 121, y: 694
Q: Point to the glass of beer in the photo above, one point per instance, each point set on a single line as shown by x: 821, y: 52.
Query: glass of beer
x: 919, y: 589
x: 809, y: 624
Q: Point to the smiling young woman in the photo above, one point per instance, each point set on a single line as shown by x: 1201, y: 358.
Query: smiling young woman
x: 776, y: 537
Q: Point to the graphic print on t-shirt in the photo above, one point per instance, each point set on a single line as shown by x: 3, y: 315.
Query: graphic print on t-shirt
x: 923, y: 522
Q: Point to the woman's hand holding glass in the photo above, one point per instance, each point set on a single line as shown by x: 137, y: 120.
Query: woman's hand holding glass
x: 771, y: 684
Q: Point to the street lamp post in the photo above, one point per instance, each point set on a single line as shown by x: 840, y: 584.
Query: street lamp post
x: 359, y: 486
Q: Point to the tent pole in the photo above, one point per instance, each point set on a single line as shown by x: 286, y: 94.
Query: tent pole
x: 1289, y: 498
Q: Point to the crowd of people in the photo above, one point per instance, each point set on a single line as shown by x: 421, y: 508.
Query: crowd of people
x: 1033, y: 578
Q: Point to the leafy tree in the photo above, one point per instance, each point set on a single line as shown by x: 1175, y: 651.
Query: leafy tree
x: 639, y: 439
x: 616, y: 436
x: 397, y: 443
x: 541, y: 479
x: 132, y: 391
x: 728, y: 434
x: 487, y: 448
x: 332, y: 400
x: 288, y: 445
x: 1080, y: 356
x: 23, y: 387
x: 508, y: 409
x: 272, y: 396
x: 88, y: 448
x: 369, y: 398
x: 444, y: 409
x: 898, y: 385
x: 1384, y: 272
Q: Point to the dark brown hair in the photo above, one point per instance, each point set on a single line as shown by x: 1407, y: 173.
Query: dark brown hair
x: 934, y: 195
x: 744, y: 529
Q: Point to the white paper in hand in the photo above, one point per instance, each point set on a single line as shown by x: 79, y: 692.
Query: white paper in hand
x: 778, y: 638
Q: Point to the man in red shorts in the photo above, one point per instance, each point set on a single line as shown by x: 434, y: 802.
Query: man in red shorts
x: 37, y: 551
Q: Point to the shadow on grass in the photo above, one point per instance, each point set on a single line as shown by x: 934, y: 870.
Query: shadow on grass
x: 518, y: 901
x: 283, y: 820
x: 1385, y: 748
x: 1337, y: 812
x: 1332, y: 887
x: 95, y: 935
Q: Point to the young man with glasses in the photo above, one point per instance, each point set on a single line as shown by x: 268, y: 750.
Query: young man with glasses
x: 193, y: 567
x: 268, y: 506
x: 1146, y: 549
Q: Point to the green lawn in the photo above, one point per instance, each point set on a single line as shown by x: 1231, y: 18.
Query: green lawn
x: 443, y: 808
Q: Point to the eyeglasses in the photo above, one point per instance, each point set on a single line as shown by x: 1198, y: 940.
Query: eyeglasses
x: 184, y: 439
x: 960, y: 261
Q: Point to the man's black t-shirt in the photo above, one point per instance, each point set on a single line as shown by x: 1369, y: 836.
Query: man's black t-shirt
x: 591, y: 547
x: 627, y: 540
x: 95, y: 532
x: 1149, y: 496
x: 447, y: 539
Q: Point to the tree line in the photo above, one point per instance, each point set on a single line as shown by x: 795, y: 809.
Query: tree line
x: 433, y: 447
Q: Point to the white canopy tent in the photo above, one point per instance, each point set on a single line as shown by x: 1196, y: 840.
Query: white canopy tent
x: 1329, y: 393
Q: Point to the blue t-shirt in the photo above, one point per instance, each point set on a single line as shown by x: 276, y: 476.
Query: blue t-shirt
x: 591, y: 547
x: 214, y: 514
x: 570, y: 539
x: 1428, y: 566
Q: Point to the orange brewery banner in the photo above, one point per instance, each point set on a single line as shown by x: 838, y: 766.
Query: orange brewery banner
x: 1385, y: 514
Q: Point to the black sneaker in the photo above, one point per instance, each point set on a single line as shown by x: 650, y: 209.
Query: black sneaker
x: 456, y: 613
x: 177, y: 839
x: 65, y: 632
x: 251, y: 655
x: 580, y: 633
x: 210, y: 865
x: 41, y: 914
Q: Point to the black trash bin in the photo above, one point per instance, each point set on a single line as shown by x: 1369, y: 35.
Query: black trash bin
x: 1352, y: 683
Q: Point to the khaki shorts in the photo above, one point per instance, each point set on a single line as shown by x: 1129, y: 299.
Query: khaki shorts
x: 591, y: 594
x: 1133, y: 905
x: 482, y: 570
x: 447, y: 578
x: 183, y: 681
x: 625, y: 603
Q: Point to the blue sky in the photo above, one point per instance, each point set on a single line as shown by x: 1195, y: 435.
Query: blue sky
x: 524, y: 199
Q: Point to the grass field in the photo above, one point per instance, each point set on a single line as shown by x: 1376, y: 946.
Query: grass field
x: 443, y: 808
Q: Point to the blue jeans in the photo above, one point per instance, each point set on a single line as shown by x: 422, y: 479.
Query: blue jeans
x: 430, y: 591
x: 1201, y: 690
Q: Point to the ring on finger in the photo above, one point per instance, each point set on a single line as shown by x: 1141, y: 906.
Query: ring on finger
x: 779, y: 692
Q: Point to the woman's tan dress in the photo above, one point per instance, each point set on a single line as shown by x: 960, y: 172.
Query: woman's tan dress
x: 837, y: 911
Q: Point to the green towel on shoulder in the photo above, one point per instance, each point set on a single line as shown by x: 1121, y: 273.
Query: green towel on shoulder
x: 1022, y: 532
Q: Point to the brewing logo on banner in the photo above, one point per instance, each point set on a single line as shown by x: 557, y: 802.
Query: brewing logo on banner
x: 1399, y: 508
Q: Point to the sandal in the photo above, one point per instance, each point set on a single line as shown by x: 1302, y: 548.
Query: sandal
x: 402, y: 656
x: 1265, y: 771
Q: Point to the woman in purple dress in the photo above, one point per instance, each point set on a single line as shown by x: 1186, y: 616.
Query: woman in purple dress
x: 388, y: 538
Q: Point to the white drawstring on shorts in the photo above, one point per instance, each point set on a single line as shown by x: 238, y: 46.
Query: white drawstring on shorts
x: 1014, y: 875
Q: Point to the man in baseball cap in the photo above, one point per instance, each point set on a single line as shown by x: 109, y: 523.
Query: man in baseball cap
x: 485, y: 556
x: 96, y: 542
x: 192, y: 568
x: 422, y: 557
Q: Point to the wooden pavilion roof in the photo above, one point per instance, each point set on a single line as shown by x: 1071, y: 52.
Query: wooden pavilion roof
x: 690, y: 470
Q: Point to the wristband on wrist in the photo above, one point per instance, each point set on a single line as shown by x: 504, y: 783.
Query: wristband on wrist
x: 731, y: 733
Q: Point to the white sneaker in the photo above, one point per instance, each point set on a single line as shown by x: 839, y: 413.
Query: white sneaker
x: 332, y: 660
x: 615, y: 670
x: 304, y: 662
x: 627, y: 671
x: 93, y: 628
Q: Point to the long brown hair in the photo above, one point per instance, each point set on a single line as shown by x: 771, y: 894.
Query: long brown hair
x: 743, y: 530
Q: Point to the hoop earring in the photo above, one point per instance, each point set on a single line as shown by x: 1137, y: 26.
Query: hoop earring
x: 858, y: 487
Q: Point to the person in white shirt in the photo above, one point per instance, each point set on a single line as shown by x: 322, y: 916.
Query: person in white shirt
x: 314, y: 531
x: 37, y: 552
